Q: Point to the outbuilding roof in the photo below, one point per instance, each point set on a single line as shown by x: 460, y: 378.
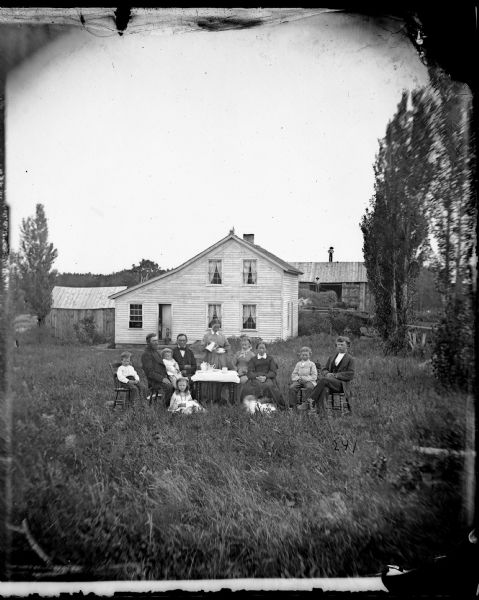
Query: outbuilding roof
x: 332, y: 272
x: 82, y: 298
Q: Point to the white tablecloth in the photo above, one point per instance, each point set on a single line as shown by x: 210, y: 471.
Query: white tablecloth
x: 221, y: 376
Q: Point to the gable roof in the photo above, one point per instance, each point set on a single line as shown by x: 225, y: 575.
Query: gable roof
x: 288, y: 267
x: 231, y: 236
x: 82, y: 298
x: 332, y: 272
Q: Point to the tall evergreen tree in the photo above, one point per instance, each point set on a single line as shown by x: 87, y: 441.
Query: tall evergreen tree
x: 395, y: 227
x: 452, y: 208
x: 454, y: 217
x: 35, y: 260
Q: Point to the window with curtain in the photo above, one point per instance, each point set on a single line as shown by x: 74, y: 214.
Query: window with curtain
x: 214, y: 313
x: 136, y: 316
x: 214, y: 271
x: 249, y: 272
x: 249, y: 316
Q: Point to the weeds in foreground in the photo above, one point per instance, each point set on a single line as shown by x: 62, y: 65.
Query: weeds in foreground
x: 225, y: 494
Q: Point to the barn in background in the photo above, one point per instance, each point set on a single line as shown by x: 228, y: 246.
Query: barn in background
x: 348, y: 279
x: 72, y: 304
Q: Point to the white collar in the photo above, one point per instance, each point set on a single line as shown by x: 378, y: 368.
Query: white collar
x: 215, y: 333
x: 262, y: 355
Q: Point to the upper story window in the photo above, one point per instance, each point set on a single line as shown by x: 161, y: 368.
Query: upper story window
x: 249, y: 272
x: 136, y: 316
x: 215, y: 272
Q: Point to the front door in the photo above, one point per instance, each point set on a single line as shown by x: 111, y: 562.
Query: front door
x: 164, y: 322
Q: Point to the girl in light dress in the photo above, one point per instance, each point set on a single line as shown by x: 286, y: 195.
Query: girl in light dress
x: 172, y: 367
x: 181, y: 400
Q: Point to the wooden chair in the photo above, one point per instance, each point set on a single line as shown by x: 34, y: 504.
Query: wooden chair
x: 121, y: 393
x: 335, y: 401
x: 338, y: 402
x: 302, y: 394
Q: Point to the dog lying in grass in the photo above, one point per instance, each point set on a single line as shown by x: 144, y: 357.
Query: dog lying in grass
x: 254, y: 405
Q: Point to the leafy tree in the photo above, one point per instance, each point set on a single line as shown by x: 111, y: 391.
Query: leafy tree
x: 146, y: 269
x: 395, y: 226
x: 452, y: 211
x: 427, y: 297
x: 453, y: 216
x: 34, y: 260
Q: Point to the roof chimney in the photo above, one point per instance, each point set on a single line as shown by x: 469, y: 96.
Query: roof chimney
x: 248, y: 237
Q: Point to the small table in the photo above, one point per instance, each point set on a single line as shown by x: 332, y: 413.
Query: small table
x: 207, y: 383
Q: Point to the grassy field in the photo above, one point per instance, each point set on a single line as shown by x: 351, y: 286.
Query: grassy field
x: 224, y: 494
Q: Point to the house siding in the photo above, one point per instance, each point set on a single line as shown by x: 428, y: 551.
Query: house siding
x: 189, y: 293
x: 290, y: 295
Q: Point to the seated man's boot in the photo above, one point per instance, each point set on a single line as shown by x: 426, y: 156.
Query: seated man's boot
x: 304, y: 405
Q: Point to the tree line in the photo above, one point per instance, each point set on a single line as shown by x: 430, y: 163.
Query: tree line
x: 145, y: 269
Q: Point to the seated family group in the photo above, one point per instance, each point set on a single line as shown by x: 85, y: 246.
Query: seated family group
x: 171, y: 372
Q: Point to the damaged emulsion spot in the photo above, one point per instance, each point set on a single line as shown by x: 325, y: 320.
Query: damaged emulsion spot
x: 220, y: 24
x: 122, y: 18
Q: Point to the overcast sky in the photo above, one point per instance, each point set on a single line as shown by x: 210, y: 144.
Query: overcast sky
x: 155, y: 145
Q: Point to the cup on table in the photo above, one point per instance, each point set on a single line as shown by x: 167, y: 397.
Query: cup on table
x: 225, y: 369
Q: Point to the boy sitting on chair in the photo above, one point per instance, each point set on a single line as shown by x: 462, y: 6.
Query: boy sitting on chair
x: 128, y: 377
x: 304, y: 375
x: 335, y: 377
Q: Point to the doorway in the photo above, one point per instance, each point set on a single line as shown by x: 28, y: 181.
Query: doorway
x: 164, y: 323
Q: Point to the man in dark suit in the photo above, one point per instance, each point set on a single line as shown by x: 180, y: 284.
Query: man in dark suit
x: 184, y: 356
x: 337, y: 374
x: 154, y: 368
x: 186, y: 360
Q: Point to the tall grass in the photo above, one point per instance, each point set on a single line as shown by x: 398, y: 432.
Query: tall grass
x: 225, y: 494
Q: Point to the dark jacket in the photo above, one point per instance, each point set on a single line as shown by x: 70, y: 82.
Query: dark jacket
x: 262, y: 366
x: 153, y: 367
x: 344, y: 372
x: 188, y: 359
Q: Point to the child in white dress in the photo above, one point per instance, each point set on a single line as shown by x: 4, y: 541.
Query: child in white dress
x: 181, y: 400
x: 172, y: 367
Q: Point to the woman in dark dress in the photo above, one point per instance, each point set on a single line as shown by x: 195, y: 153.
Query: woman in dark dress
x: 261, y: 382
